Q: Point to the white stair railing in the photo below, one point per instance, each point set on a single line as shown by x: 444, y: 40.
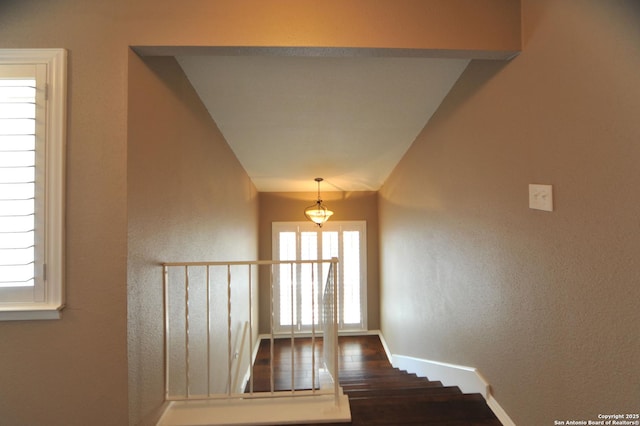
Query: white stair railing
x: 209, y: 322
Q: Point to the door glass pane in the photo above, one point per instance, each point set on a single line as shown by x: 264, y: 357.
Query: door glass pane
x: 308, y: 282
x: 286, y: 278
x: 351, y: 281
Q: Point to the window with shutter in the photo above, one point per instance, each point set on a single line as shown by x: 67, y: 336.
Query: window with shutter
x: 32, y: 114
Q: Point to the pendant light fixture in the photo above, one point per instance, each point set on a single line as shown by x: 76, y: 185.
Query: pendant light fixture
x: 318, y: 213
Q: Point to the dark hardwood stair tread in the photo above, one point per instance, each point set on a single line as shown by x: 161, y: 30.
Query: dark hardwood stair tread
x: 368, y: 385
x: 414, y: 409
x: 402, y: 392
x: 417, y: 399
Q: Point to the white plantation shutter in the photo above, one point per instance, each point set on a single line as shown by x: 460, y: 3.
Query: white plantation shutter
x: 17, y: 178
x: 31, y: 177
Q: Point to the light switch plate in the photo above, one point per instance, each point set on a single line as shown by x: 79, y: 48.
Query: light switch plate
x: 541, y: 197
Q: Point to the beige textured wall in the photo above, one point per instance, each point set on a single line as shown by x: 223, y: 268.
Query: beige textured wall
x: 188, y: 199
x: 74, y: 371
x: 289, y: 206
x: 545, y: 305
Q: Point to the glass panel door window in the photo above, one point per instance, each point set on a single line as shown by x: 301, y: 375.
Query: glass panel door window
x: 298, y: 288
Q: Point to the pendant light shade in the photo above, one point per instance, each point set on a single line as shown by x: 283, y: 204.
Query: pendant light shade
x: 318, y: 213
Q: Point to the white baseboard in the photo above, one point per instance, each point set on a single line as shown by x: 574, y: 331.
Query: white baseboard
x: 499, y: 412
x: 468, y: 379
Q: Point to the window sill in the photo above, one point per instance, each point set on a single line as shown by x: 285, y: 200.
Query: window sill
x: 31, y: 312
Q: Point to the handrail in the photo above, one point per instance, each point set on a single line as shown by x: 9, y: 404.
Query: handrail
x: 250, y: 262
x: 195, y: 346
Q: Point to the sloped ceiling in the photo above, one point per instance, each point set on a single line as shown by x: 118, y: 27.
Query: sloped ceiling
x: 349, y: 120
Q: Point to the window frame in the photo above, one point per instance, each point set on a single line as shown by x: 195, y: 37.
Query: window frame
x: 50, y: 196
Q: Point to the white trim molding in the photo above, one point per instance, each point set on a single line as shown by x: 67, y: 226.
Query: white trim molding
x: 468, y: 379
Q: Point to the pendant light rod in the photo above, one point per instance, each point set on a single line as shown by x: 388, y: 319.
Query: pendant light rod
x: 319, y: 179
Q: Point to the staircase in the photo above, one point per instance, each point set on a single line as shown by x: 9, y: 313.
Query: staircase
x: 382, y: 395
x: 389, y: 396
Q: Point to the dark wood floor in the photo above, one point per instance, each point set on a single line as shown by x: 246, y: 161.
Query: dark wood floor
x: 378, y: 393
